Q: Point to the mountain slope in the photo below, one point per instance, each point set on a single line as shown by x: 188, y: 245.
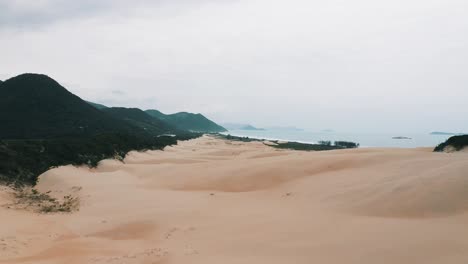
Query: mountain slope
x: 188, y: 121
x: 42, y: 125
x: 35, y: 106
x: 156, y: 113
x: 96, y: 105
x: 141, y: 119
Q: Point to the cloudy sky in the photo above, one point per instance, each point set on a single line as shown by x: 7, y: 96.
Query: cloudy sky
x: 347, y: 65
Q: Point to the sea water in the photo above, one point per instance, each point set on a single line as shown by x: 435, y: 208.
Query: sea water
x: 364, y: 139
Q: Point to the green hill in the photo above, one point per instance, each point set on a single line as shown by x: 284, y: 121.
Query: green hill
x: 156, y: 113
x: 43, y: 125
x: 142, y: 120
x: 34, y: 106
x: 188, y: 121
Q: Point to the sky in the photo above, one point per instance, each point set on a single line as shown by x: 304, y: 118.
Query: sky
x: 346, y: 65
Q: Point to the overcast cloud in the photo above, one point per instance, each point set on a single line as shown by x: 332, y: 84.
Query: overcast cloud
x: 361, y: 65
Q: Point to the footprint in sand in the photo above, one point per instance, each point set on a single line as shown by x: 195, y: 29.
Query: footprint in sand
x: 171, y: 232
x: 76, y: 188
x: 174, y: 230
x: 11, y: 246
x: 189, y: 250
x: 190, y: 229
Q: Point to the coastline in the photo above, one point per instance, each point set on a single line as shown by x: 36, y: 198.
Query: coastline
x: 208, y: 200
x: 266, y: 138
x: 366, y: 140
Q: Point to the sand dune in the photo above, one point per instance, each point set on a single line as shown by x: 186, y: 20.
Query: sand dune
x: 214, y: 201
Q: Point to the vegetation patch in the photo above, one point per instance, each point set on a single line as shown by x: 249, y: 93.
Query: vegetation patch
x: 44, y: 125
x: 456, y: 143
x: 22, y: 161
x: 31, y: 199
x: 321, y: 146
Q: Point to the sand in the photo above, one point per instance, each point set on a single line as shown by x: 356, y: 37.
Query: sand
x: 213, y: 201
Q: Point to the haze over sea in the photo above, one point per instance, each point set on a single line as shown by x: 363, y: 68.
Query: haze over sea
x: 364, y: 139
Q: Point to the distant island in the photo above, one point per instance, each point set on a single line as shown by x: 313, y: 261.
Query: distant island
x: 234, y: 126
x: 445, y: 133
x: 401, y: 138
x: 286, y: 128
x: 250, y: 127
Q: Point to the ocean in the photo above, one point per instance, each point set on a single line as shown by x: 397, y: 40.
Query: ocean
x: 364, y: 139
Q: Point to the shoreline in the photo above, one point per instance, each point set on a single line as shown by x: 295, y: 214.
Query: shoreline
x: 299, y: 143
x: 382, y: 140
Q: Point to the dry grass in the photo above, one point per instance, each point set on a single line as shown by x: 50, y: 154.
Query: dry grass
x: 31, y: 199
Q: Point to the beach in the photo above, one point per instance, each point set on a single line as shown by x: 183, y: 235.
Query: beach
x: 213, y: 201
